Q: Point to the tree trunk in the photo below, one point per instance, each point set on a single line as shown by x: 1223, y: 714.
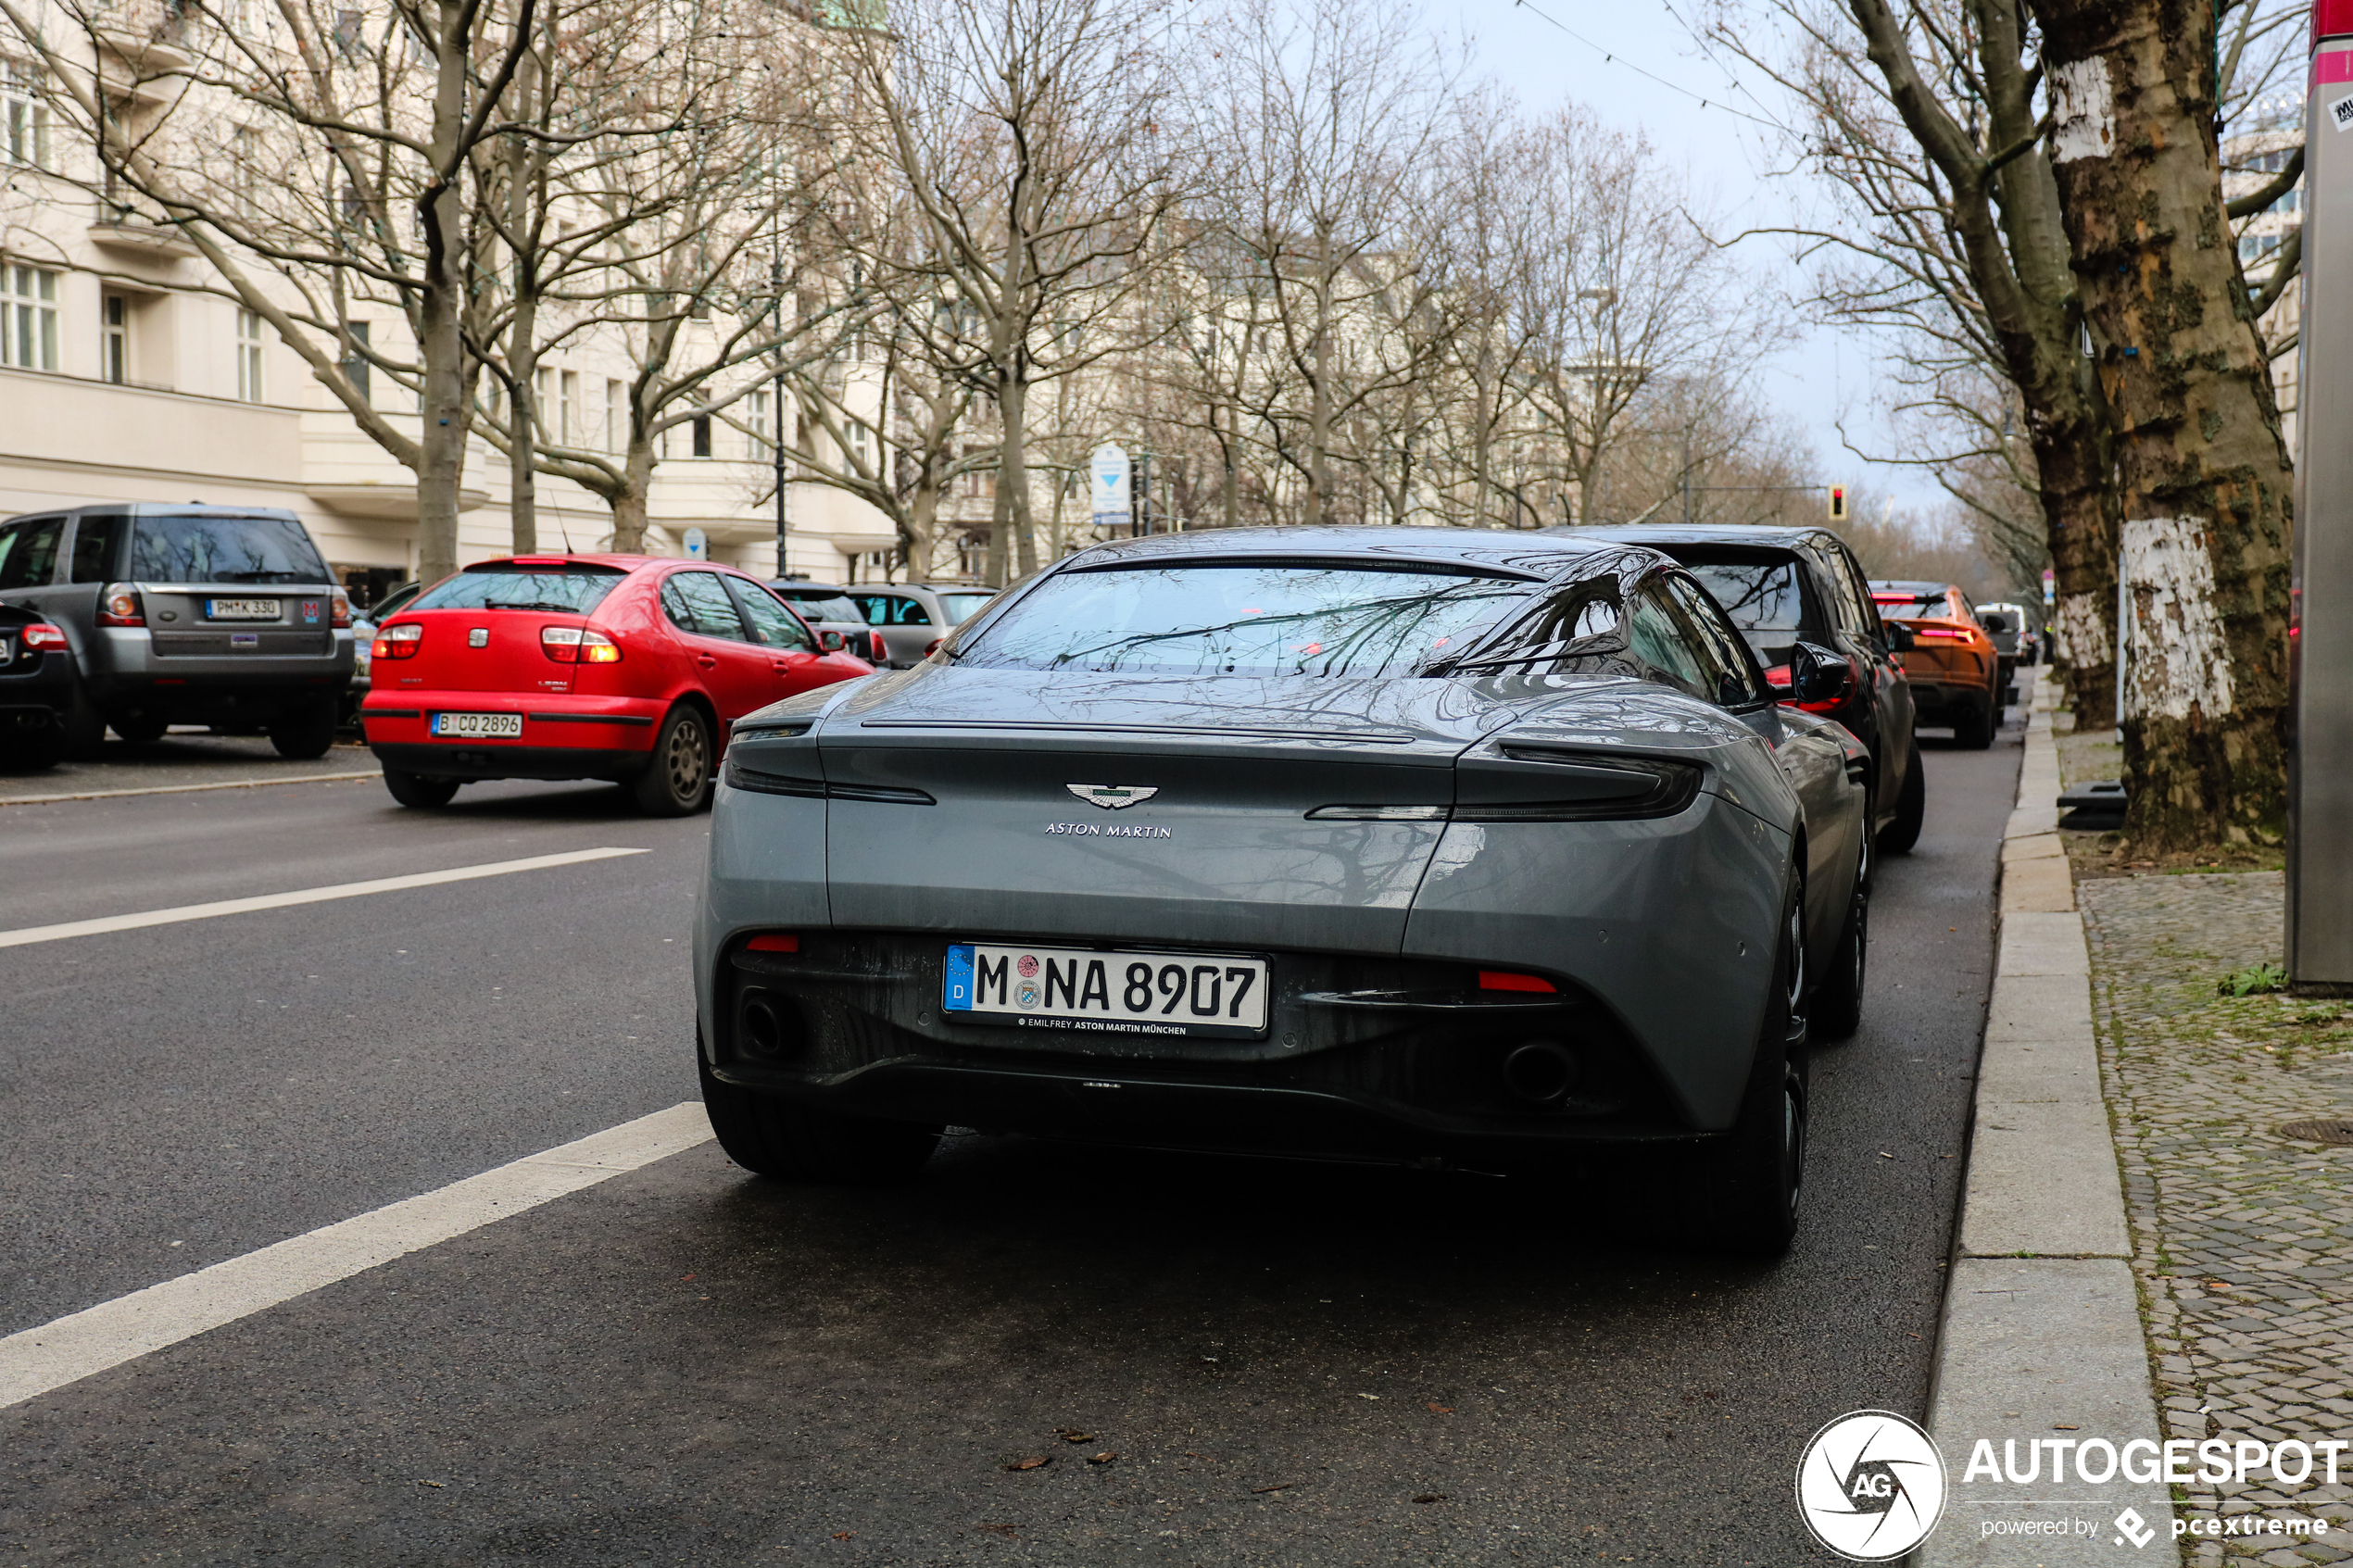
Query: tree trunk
x: 2072, y: 464
x: 441, y: 472
x: 2204, y: 478
x: 1012, y: 475
x: 522, y: 443
x: 629, y: 504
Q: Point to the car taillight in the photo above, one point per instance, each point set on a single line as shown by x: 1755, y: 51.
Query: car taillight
x: 1504, y: 980
x: 120, y: 606
x: 339, y: 611
x: 397, y: 642
x: 1942, y: 634
x: 933, y: 647
x: 41, y: 635
x: 574, y: 645
x: 774, y: 942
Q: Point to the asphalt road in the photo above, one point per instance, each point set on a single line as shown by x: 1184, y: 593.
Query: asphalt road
x: 1292, y: 1363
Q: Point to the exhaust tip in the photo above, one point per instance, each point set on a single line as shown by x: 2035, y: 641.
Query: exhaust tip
x: 1541, y: 1073
x: 766, y: 1027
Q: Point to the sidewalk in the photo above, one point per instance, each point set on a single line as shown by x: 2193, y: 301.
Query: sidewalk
x: 2242, y: 1239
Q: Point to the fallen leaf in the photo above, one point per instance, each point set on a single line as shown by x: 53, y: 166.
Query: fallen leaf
x: 433, y: 1483
x: 1368, y: 1396
x: 684, y: 1278
x: 1884, y: 1155
x: 1030, y: 1464
x: 1072, y: 1435
x: 2067, y: 1429
x: 1431, y: 1497
x: 1438, y: 1409
x: 1278, y: 1486
x: 845, y: 1535
x: 1104, y: 1458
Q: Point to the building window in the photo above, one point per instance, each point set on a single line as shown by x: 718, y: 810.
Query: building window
x: 355, y: 361
x: 27, y: 116
x: 249, y: 388
x: 858, y: 444
x: 615, y: 408
x: 28, y: 317
x: 755, y: 416
x: 566, y: 420
x: 702, y: 435
x: 113, y: 339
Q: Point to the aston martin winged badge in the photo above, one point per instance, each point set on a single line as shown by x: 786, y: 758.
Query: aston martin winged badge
x: 1111, y: 797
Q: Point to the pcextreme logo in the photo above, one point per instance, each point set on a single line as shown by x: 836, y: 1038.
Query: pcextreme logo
x: 1871, y: 1486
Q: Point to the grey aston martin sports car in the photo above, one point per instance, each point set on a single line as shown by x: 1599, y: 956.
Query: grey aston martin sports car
x: 1425, y: 846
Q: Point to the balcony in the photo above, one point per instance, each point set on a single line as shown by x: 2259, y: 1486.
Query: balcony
x: 155, y: 38
x: 124, y: 228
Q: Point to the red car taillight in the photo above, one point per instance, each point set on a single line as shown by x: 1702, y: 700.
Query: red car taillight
x: 120, y: 606
x: 339, y: 611
x: 1505, y: 980
x: 1777, y: 677
x: 574, y: 645
x: 41, y: 635
x: 397, y: 642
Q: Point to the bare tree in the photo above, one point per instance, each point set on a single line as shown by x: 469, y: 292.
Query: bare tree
x: 1024, y: 140
x: 319, y: 161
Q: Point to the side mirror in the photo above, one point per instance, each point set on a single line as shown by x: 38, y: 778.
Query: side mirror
x: 1900, y: 638
x: 832, y: 642
x: 1815, y: 674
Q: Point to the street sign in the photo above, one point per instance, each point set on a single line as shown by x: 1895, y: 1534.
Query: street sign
x: 698, y: 545
x: 1837, y: 503
x: 2050, y: 587
x: 1108, y: 473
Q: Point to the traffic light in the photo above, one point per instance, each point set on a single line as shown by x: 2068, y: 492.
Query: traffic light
x: 1837, y: 503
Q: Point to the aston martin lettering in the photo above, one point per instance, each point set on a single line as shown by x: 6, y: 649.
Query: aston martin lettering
x: 1108, y: 830
x: 1123, y: 992
x: 1112, y: 797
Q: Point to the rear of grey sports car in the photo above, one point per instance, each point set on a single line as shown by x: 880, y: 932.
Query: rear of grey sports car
x: 1252, y: 843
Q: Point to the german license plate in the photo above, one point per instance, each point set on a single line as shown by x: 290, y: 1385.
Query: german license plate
x: 1118, y: 993
x: 241, y: 610
x: 478, y: 726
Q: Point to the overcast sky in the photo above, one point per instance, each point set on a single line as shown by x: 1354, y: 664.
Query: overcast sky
x: 1828, y: 373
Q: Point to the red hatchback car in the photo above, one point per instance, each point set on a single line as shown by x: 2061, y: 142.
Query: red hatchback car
x: 628, y: 667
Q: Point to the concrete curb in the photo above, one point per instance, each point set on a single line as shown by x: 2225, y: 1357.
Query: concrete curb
x: 2042, y: 1328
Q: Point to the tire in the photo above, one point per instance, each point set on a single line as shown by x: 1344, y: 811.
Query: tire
x: 85, y: 727
x: 33, y: 750
x: 775, y: 1137
x: 145, y: 729
x: 1977, y: 732
x: 1836, y: 1010
x: 1745, y: 1192
x: 305, y: 733
x: 420, y: 790
x: 677, y: 781
x: 1911, y: 806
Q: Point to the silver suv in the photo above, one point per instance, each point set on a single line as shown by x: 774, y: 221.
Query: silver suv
x: 911, y: 618
x: 190, y: 614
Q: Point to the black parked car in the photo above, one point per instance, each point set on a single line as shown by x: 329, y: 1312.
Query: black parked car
x: 187, y: 614
x: 36, y: 680
x: 1792, y: 588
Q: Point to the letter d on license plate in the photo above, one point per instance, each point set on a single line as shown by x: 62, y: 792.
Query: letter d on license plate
x: 1116, y: 993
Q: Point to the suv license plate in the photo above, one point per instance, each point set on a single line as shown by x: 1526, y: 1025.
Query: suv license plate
x: 1106, y: 992
x: 241, y: 610
x: 478, y: 726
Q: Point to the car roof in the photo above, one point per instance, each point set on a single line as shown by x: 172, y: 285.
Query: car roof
x: 1918, y: 590
x: 1659, y: 535
x: 154, y: 509
x: 1537, y: 553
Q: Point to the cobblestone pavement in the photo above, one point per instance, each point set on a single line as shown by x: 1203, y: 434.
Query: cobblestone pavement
x: 2243, y: 1239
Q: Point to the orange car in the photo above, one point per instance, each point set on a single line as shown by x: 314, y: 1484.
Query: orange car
x: 1951, y: 663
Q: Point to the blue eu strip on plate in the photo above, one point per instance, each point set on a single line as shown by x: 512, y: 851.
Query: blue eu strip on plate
x: 958, y: 997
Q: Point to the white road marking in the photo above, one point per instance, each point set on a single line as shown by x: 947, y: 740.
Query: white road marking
x: 180, y: 789
x: 36, y: 1360
x: 29, y: 934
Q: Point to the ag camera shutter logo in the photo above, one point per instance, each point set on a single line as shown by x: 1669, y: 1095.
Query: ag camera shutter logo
x: 1871, y: 1486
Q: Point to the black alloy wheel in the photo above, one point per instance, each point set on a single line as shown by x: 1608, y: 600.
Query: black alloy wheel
x: 307, y: 731
x: 1911, y: 804
x: 677, y: 781
x: 775, y: 1137
x: 419, y: 789
x: 139, y: 729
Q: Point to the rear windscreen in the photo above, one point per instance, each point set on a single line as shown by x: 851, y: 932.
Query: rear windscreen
x: 1758, y: 596
x: 823, y: 606
x: 576, y: 589
x: 1241, y: 617
x: 198, y: 548
x: 1910, y: 607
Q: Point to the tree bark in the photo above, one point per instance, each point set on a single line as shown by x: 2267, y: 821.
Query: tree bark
x: 2205, y: 479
